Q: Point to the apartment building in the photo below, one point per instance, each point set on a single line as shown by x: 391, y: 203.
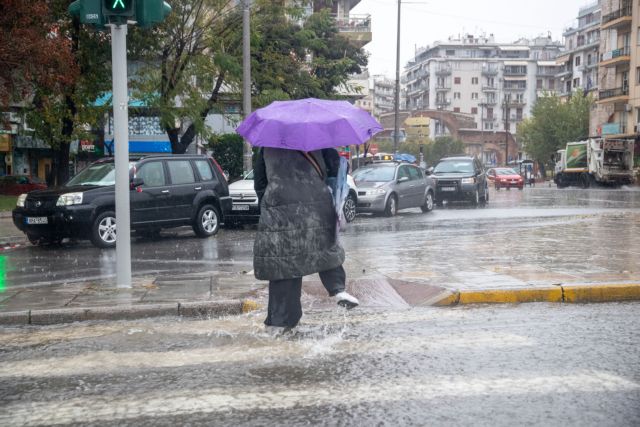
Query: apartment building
x: 495, y: 83
x: 617, y: 111
x: 579, y: 63
x: 384, y: 90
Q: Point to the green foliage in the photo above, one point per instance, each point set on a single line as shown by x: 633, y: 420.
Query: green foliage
x: 553, y: 123
x: 7, y: 203
x: 227, y: 150
x: 443, y: 146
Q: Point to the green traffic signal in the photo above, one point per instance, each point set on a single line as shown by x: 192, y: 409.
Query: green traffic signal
x: 118, y: 8
x: 151, y: 12
x: 88, y: 12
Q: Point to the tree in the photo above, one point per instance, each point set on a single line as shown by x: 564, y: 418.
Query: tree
x: 33, y: 51
x: 553, y: 123
x: 195, y: 60
x: 227, y: 150
x: 443, y: 146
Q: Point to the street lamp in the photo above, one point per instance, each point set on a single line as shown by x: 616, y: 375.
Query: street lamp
x: 396, y: 133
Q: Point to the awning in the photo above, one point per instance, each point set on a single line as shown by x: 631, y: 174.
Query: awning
x: 547, y: 63
x: 515, y: 79
x: 144, y: 146
x: 106, y: 98
x: 563, y: 59
x: 512, y: 48
x: 517, y: 63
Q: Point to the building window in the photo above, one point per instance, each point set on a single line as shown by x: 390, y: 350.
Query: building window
x: 456, y: 109
x: 456, y: 95
x: 474, y: 80
x: 474, y: 95
x: 450, y: 52
x: 488, y: 125
x: 576, y: 82
x: 539, y: 84
x: 577, y: 61
x: 637, y: 75
x: 456, y: 80
x: 474, y: 110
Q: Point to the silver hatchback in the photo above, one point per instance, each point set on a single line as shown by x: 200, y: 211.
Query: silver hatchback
x: 391, y: 186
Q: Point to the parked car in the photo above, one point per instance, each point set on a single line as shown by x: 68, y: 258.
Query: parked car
x: 246, y: 209
x: 14, y: 185
x: 460, y: 179
x: 391, y: 186
x: 166, y: 191
x: 505, y: 178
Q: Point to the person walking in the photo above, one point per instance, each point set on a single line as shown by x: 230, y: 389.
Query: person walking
x: 297, y: 231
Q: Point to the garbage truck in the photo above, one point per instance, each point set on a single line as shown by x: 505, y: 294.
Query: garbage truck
x: 595, y: 160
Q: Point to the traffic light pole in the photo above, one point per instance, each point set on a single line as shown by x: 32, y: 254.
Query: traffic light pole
x: 247, y: 161
x: 121, y: 146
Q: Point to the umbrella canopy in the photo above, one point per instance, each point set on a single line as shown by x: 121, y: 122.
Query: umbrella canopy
x: 308, y: 124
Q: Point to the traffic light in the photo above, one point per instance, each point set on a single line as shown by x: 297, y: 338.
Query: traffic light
x: 88, y: 12
x: 151, y: 12
x: 118, y: 11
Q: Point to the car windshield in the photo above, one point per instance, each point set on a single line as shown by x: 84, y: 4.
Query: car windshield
x: 96, y: 174
x: 506, y: 171
x: 454, y: 166
x: 375, y: 174
x: 249, y: 175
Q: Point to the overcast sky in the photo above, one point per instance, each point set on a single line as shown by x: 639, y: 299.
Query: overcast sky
x: 426, y: 21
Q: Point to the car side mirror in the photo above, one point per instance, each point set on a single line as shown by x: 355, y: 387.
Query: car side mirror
x: 403, y: 179
x: 136, y: 182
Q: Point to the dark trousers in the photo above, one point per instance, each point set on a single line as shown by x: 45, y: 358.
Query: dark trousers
x: 285, y: 308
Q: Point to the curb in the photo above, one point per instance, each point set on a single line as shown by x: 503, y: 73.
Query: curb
x: 558, y: 294
x: 183, y: 309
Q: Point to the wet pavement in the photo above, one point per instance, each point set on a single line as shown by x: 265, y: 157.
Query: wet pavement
x: 535, y: 364
x: 537, y: 237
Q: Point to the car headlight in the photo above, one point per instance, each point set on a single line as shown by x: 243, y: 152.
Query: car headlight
x: 376, y: 191
x: 69, y: 199
x: 21, y: 199
x: 468, y: 180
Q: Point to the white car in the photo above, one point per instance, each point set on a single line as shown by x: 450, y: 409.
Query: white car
x: 245, y: 208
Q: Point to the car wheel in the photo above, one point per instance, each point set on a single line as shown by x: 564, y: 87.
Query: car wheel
x: 103, y: 230
x: 207, y: 221
x: 585, y: 182
x: 391, y: 209
x: 350, y: 208
x: 475, y: 201
x: 428, y: 202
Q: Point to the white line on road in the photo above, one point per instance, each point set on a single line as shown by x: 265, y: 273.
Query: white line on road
x: 183, y: 402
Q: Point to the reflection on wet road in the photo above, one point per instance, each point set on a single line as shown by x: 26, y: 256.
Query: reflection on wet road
x: 536, y: 364
x: 535, y: 236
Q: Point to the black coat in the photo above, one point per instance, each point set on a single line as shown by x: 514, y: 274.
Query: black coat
x: 297, y: 229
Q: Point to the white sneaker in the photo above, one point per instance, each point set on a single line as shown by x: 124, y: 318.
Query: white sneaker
x: 346, y: 300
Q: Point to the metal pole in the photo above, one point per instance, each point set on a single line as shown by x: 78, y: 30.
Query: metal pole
x: 121, y: 147
x: 506, y: 132
x: 396, y: 128
x: 247, y: 163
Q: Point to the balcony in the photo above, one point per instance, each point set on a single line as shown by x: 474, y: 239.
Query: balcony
x: 441, y: 103
x: 619, y: 18
x: 490, y: 101
x: 564, y: 72
x: 514, y: 72
x: 516, y: 119
x: 546, y: 73
x: 613, y: 95
x: 487, y: 88
x: 356, y: 28
x: 489, y: 118
x: 515, y: 88
x: 516, y: 103
x: 444, y: 70
x: 490, y: 71
x: 442, y: 88
x: 615, y: 57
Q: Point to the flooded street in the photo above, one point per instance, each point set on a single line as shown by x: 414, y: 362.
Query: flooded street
x: 541, y: 364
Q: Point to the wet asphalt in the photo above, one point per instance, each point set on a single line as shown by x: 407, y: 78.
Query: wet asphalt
x: 537, y: 236
x: 534, y: 364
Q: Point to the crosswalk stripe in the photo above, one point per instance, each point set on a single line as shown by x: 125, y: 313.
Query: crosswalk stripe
x: 171, y: 402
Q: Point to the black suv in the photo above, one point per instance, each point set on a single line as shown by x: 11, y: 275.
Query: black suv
x: 460, y: 179
x: 166, y: 191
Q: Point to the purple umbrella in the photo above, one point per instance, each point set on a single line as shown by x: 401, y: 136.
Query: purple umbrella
x: 308, y: 124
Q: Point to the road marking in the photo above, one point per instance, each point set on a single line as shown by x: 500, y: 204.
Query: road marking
x: 182, y: 402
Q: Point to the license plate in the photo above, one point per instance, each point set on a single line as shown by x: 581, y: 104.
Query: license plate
x: 37, y: 220
x: 240, y: 208
x: 448, y: 188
